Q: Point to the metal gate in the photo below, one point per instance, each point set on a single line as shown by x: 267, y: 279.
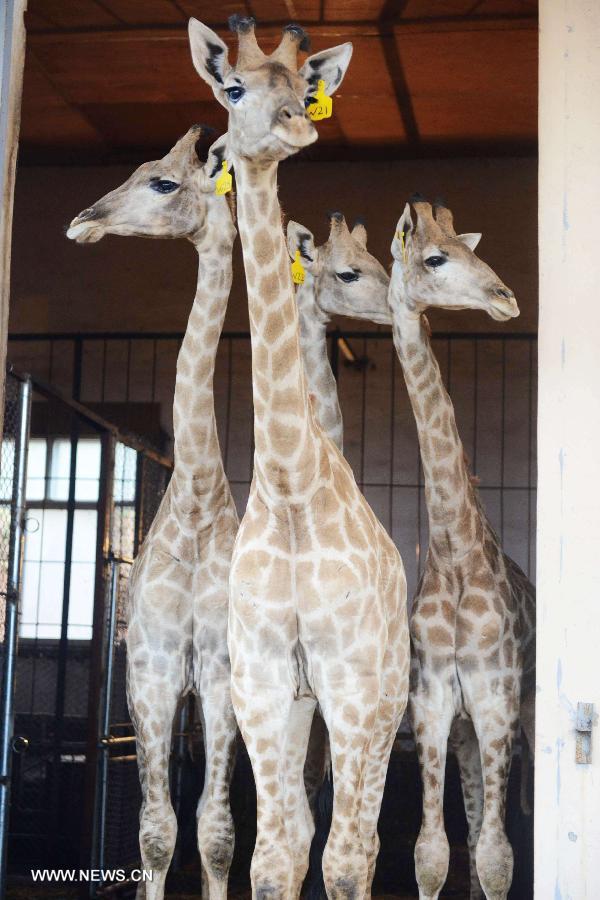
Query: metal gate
x: 88, y: 498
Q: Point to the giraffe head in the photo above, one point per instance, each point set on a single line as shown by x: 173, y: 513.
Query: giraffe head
x: 266, y: 96
x: 168, y: 198
x: 348, y: 280
x: 435, y: 266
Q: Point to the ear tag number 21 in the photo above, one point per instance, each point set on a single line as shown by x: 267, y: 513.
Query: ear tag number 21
x: 322, y: 106
x: 298, y: 273
x: 224, y: 181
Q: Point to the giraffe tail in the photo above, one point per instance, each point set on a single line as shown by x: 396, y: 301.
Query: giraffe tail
x: 315, y: 886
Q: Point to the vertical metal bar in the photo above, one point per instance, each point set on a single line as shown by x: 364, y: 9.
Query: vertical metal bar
x: 228, y: 402
x: 153, y: 378
x: 475, y: 401
x: 335, y: 353
x: 63, y: 645
x: 138, y: 533
x: 392, y: 436
x: 88, y: 852
x: 363, y: 416
x: 529, y: 456
x: 13, y: 589
x: 502, y: 438
x: 109, y: 658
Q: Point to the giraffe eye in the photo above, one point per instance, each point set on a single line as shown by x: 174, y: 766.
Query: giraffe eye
x: 435, y: 261
x: 163, y: 185
x: 347, y: 277
x: 235, y: 93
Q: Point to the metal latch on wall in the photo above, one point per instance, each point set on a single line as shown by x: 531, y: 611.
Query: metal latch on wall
x: 583, y: 733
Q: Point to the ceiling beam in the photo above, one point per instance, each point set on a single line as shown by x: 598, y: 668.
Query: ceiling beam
x: 350, y: 28
x: 395, y: 68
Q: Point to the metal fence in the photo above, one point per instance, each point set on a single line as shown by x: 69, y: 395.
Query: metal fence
x: 89, y: 496
x: 492, y: 380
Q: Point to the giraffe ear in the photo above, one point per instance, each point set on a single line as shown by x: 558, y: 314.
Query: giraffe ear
x: 213, y: 166
x: 471, y: 239
x: 300, y: 238
x: 328, y: 66
x: 210, y: 57
x: 402, y: 236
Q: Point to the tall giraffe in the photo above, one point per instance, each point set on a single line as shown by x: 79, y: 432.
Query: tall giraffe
x: 317, y: 588
x: 178, y: 588
x: 342, y: 278
x: 472, y: 623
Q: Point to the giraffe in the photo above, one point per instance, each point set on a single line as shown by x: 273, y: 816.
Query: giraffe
x: 342, y: 280
x: 472, y: 621
x: 178, y: 588
x: 342, y: 277
x: 317, y: 587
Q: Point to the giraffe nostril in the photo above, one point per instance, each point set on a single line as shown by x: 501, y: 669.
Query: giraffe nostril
x: 503, y: 292
x: 86, y: 214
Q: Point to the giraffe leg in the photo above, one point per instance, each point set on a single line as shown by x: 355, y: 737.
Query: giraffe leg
x: 392, y: 704
x: 298, y: 817
x: 495, y: 724
x: 431, y: 709
x: 153, y: 725
x: 463, y: 741
x: 350, y: 719
x: 263, y: 713
x: 215, y: 829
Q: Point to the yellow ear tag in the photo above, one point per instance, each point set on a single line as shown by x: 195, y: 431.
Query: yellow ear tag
x: 400, y: 236
x: 323, y: 105
x: 224, y: 181
x: 298, y: 272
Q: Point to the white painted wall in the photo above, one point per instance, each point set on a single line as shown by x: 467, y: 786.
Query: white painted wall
x: 568, y: 795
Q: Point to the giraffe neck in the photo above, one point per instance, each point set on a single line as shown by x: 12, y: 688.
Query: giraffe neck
x: 199, y: 482
x: 322, y: 385
x: 289, y: 448
x: 452, y: 507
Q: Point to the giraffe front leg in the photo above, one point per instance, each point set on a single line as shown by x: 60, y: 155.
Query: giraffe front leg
x: 215, y: 830
x: 298, y: 817
x: 431, y: 709
x: 495, y: 722
x: 464, y: 743
x: 153, y: 724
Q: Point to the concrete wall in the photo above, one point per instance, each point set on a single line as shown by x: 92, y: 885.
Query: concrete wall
x: 135, y: 284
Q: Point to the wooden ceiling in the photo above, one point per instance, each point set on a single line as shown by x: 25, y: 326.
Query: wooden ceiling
x: 112, y: 80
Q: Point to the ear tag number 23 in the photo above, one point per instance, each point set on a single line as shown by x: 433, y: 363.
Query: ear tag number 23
x: 322, y: 106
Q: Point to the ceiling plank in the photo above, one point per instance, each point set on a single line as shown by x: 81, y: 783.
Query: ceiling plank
x: 150, y: 12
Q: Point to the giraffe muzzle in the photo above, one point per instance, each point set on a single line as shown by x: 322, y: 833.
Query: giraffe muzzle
x: 504, y: 305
